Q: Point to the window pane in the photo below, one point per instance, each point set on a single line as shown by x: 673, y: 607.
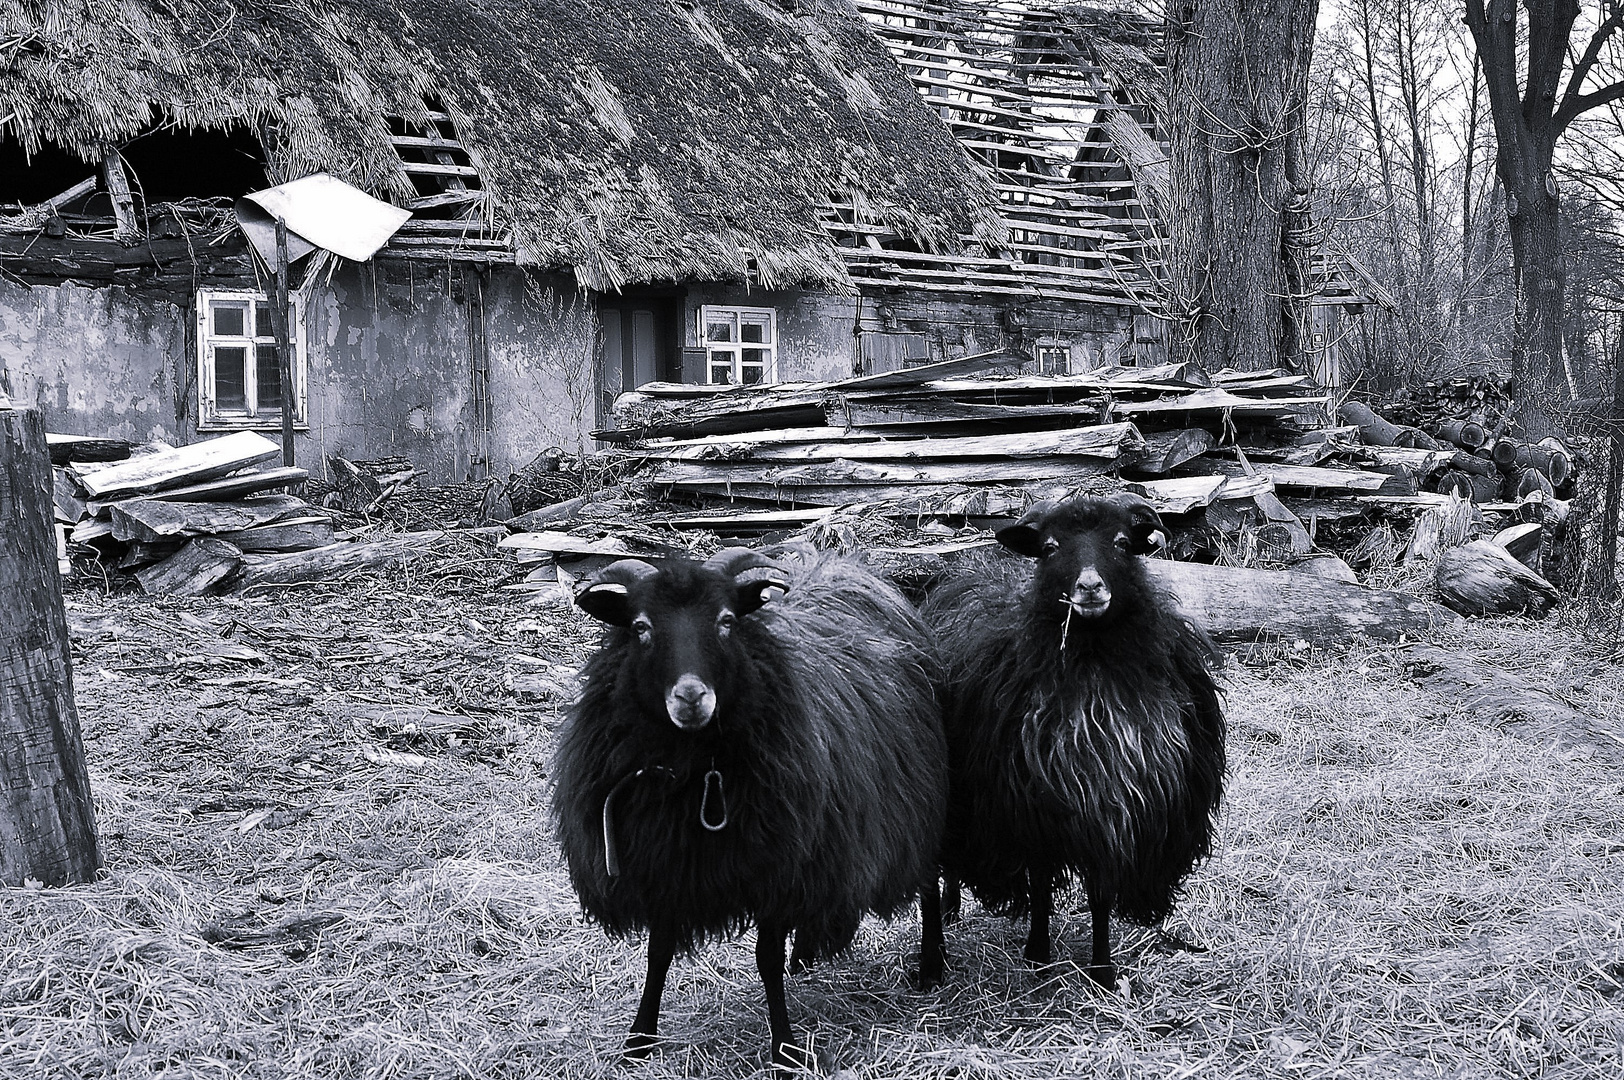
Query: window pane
x: 755, y: 356
x: 267, y: 379
x: 229, y: 392
x: 230, y: 320
x: 755, y: 328
x: 721, y: 367
x: 262, y: 321
x: 750, y: 373
x: 719, y: 328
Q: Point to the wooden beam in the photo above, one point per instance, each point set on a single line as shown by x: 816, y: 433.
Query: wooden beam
x: 1104, y: 441
x: 197, y: 462
x: 117, y: 184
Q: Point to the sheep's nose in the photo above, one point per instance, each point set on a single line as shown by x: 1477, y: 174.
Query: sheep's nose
x: 1090, y: 596
x: 690, y: 702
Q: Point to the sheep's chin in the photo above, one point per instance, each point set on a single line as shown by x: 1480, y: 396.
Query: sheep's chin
x: 1081, y: 610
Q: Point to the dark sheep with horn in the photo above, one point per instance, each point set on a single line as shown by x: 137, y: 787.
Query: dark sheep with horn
x: 1085, y: 731
x: 754, y: 744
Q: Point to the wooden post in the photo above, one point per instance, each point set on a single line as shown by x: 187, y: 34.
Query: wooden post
x: 284, y: 339
x: 47, y: 828
x: 117, y: 184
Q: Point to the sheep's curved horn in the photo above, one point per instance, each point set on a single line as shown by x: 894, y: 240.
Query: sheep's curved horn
x: 735, y: 561
x: 604, y: 595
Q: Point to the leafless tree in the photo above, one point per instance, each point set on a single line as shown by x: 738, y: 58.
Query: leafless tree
x: 1540, y: 79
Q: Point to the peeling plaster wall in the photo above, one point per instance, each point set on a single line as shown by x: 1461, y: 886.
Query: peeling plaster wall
x: 390, y: 367
x: 388, y: 370
x: 97, y: 361
x: 541, y: 337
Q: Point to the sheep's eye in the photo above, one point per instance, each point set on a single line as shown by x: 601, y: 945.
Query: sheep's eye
x: 643, y: 628
x: 1122, y: 541
x: 724, y: 623
x: 1050, y: 546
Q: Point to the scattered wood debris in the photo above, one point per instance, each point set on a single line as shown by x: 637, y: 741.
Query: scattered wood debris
x: 203, y: 518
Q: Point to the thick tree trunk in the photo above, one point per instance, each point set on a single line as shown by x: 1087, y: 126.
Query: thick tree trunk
x: 1237, y: 73
x: 1536, y: 247
x: 47, y: 832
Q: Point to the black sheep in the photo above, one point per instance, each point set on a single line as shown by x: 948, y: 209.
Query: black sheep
x: 1085, y: 731
x: 732, y: 761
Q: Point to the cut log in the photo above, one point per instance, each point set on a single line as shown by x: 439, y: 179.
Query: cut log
x: 1482, y: 578
x: 199, y: 567
x: 152, y: 519
x: 1471, y: 463
x: 1103, y: 441
x: 1551, y: 458
x: 214, y: 490
x: 183, y: 465
x: 1373, y: 429
x: 1512, y: 703
x: 294, y: 534
x: 66, y: 448
x: 1462, y: 433
x: 1475, y: 488
x: 745, y: 521
x: 1522, y: 541
x: 1166, y: 450
x: 91, y: 529
x: 568, y: 510
x: 331, y: 563
x: 1237, y: 605
x: 1528, y: 481
x: 47, y: 826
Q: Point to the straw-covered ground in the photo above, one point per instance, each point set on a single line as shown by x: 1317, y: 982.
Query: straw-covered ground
x: 324, y: 821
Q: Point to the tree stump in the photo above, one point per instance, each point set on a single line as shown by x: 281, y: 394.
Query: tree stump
x: 1482, y: 578
x: 47, y: 828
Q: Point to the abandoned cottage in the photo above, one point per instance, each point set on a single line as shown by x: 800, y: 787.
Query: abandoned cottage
x: 603, y: 195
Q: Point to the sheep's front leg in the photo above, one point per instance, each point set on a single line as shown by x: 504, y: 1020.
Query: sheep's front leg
x: 662, y: 946
x: 932, y: 954
x: 1101, y: 968
x: 1041, y: 884
x: 770, y: 965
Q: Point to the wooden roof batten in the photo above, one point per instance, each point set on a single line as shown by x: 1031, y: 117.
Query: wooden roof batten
x: 1057, y: 103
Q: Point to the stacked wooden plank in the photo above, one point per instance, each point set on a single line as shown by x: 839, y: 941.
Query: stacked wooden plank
x: 185, y: 520
x: 975, y: 438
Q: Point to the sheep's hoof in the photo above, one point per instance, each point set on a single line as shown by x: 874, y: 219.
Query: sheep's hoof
x: 639, y: 1044
x: 800, y: 965
x: 1038, y: 957
x: 929, y: 976
x: 1104, y: 974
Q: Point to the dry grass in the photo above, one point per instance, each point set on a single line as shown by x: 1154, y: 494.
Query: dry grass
x: 335, y: 862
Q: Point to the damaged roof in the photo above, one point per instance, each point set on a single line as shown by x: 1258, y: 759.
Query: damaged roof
x: 632, y: 141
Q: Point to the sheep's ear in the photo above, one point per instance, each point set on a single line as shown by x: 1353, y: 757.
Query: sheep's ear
x: 607, y: 594
x: 1023, y: 537
x: 759, y: 585
x: 1145, y: 526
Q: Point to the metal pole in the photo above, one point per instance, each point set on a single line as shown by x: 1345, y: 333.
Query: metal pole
x: 280, y: 315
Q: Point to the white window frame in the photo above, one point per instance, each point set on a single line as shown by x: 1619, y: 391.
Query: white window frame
x: 1050, y: 347
x: 708, y: 312
x: 209, y: 415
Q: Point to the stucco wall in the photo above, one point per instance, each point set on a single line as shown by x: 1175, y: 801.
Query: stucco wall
x: 818, y: 331
x: 815, y: 341
x: 97, y: 361
x: 390, y: 365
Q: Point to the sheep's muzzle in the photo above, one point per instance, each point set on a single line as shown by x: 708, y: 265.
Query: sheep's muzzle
x: 690, y: 702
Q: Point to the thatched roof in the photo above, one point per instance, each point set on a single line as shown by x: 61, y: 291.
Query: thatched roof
x: 632, y: 140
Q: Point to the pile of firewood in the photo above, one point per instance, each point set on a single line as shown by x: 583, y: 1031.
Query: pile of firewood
x: 198, y: 519
x: 1474, y: 399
